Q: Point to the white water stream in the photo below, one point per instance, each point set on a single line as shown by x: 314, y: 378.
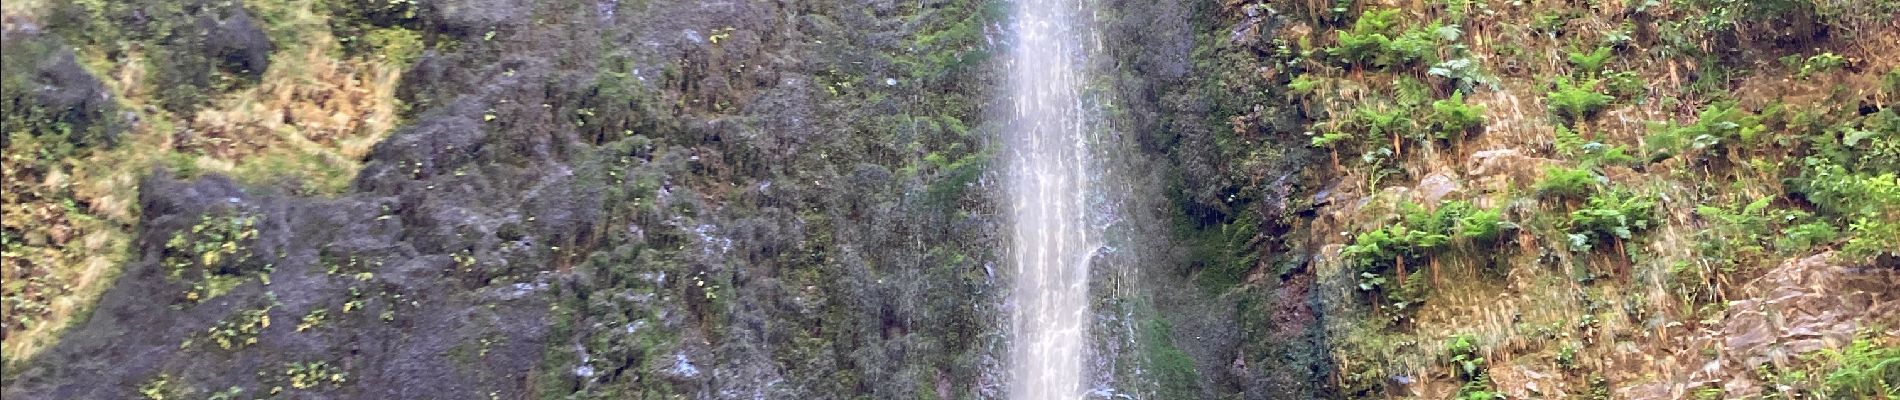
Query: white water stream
x: 1049, y: 175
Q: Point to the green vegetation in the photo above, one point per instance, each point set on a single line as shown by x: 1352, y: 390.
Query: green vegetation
x: 1452, y: 118
x: 1377, y: 41
x: 160, y: 388
x: 1568, y: 183
x: 1380, y: 256
x: 1614, y: 216
x: 313, y: 375
x: 1173, y: 368
x: 212, y: 255
x: 1863, y: 370
x: 1576, y: 102
x: 241, y: 330
x: 1590, y: 63
x: 1469, y: 368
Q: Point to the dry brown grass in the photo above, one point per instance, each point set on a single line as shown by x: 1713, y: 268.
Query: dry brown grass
x: 312, y: 117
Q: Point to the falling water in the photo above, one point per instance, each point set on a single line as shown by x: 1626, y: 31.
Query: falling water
x: 1049, y: 180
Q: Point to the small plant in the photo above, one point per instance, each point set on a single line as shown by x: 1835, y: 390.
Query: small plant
x: 1864, y: 370
x: 1805, y: 236
x: 1375, y: 40
x: 1483, y: 227
x: 1464, y: 73
x: 1868, y: 204
x: 240, y: 330
x: 307, y: 375
x: 215, y: 245
x: 1590, y: 63
x: 1820, y: 63
x: 1567, y: 183
x: 1452, y: 118
x: 1469, y: 367
x: 1567, y: 356
x: 1612, y: 216
x: 312, y: 320
x: 1575, y: 102
x: 159, y: 388
x: 1717, y: 126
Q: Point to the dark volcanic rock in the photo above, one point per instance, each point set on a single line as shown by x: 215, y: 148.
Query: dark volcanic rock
x: 240, y: 45
x: 44, y: 84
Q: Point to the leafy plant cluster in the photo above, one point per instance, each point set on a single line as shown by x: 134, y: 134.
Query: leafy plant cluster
x: 1611, y: 216
x: 241, y: 330
x: 1379, y: 132
x: 1719, y: 127
x: 1740, y: 233
x: 1470, y: 368
x: 216, y: 244
x: 1864, y: 370
x: 313, y: 374
x: 1377, y: 40
x: 1577, y: 101
x: 1414, y: 238
x: 213, y: 255
x: 1850, y: 177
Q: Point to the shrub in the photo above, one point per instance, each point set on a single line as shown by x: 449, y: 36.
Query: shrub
x: 1483, y: 227
x: 1720, y: 124
x: 1418, y: 235
x: 1575, y: 102
x: 1469, y: 367
x: 1379, y: 124
x: 1464, y: 73
x: 1868, y: 203
x: 1369, y: 37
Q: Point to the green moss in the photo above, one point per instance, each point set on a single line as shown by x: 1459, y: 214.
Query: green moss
x: 1170, y: 366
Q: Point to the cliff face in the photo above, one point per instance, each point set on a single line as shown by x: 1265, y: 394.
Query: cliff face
x: 795, y: 199
x: 581, y: 199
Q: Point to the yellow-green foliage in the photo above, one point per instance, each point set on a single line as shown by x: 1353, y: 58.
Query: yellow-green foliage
x: 309, y: 375
x: 240, y: 330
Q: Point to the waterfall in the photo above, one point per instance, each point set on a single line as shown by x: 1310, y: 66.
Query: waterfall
x: 1048, y: 176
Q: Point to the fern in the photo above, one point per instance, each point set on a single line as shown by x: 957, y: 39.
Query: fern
x: 1573, y: 102
x: 1567, y: 183
x: 1590, y: 63
x: 1866, y: 370
x: 1452, y: 118
x: 1617, y: 215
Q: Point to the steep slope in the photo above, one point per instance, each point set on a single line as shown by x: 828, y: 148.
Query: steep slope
x: 1595, y: 200
x: 588, y: 199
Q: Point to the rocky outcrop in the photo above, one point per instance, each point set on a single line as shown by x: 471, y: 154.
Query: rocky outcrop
x: 1779, y: 320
